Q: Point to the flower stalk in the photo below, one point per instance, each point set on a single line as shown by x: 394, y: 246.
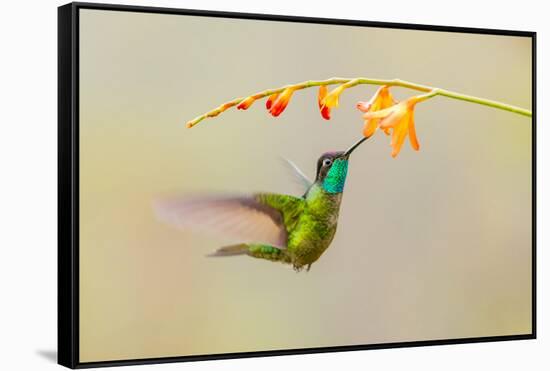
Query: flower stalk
x: 348, y: 83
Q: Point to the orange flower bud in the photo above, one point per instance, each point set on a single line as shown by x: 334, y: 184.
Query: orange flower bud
x: 325, y: 111
x: 246, y: 103
x: 269, y: 102
x: 220, y: 109
x: 282, y: 101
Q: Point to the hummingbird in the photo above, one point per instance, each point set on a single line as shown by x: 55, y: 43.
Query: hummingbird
x: 275, y: 227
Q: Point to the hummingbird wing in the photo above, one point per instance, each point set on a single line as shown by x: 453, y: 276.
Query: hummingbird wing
x: 247, y: 218
x: 297, y: 174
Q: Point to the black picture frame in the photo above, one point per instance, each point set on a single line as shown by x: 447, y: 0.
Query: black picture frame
x: 68, y: 182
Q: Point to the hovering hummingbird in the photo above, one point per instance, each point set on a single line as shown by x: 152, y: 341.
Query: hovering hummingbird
x: 276, y: 227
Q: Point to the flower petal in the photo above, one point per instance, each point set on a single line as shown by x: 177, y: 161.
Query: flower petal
x: 412, y: 133
x: 398, y: 142
x: 378, y: 114
x: 323, y: 90
x: 392, y: 120
x: 364, y: 106
x: 386, y: 98
x: 325, y: 112
x: 370, y: 127
x: 331, y: 100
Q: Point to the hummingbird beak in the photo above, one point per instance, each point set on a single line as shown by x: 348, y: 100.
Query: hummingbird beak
x: 352, y: 148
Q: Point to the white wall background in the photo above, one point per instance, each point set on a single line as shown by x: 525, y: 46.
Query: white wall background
x: 28, y: 181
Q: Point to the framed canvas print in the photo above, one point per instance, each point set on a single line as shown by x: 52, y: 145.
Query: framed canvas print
x: 237, y: 185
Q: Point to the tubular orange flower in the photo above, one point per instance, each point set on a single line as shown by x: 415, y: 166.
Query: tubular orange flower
x: 325, y: 111
x: 400, y: 119
x: 246, y: 103
x: 382, y: 99
x: 281, y: 102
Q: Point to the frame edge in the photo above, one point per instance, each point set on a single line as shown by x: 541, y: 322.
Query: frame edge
x: 299, y: 19
x: 67, y: 260
x: 534, y: 185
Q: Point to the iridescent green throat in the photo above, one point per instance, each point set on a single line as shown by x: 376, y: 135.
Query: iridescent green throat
x: 336, y: 177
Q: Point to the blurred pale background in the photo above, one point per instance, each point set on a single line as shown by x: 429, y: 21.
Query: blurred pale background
x: 435, y: 244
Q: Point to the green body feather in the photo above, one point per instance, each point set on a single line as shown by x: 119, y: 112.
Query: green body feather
x: 310, y: 221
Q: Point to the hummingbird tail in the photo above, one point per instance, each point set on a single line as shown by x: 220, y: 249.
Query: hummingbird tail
x: 231, y: 250
x: 254, y: 250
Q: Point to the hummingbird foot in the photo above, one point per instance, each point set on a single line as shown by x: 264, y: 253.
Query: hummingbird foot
x: 299, y: 268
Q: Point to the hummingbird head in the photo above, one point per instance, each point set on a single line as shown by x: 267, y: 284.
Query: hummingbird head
x: 332, y: 169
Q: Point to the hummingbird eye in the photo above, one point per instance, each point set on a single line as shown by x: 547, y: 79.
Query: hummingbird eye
x: 327, y: 162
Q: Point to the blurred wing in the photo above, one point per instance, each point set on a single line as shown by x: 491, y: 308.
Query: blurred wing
x: 241, y: 217
x: 297, y: 174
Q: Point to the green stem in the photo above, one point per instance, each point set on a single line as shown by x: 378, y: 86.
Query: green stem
x: 432, y: 91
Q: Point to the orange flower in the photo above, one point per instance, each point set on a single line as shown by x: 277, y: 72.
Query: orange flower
x: 382, y: 99
x: 246, y: 103
x: 400, y: 119
x: 325, y: 111
x: 279, y: 105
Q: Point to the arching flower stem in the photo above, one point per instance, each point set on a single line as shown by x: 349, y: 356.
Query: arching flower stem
x: 431, y: 92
